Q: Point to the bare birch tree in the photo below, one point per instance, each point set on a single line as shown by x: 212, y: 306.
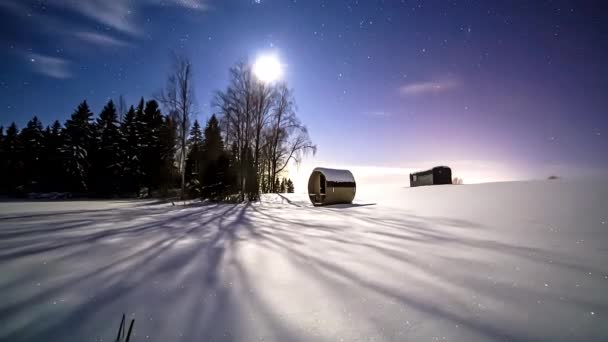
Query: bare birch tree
x: 288, y: 138
x: 259, y: 119
x: 178, y: 98
x: 122, y: 107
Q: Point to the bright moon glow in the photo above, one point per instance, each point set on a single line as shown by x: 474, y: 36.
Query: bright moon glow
x: 268, y: 68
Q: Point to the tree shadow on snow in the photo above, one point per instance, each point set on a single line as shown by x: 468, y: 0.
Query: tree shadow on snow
x: 194, y: 270
x: 349, y: 205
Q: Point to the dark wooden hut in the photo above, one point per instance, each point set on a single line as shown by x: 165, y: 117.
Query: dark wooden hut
x: 435, y: 176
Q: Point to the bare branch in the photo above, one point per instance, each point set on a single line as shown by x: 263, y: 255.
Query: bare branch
x: 178, y: 99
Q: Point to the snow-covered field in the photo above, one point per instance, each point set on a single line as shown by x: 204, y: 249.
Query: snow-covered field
x: 503, y: 261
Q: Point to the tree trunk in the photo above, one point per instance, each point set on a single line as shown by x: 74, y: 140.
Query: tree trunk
x: 183, y: 161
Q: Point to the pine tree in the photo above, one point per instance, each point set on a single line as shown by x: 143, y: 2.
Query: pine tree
x: 290, y: 187
x: 131, y: 143
x: 56, y: 129
x: 213, y: 143
x: 78, y: 143
x: 168, y: 137
x: 2, y: 159
x: 214, y: 163
x: 4, y: 163
x: 152, y: 122
x: 134, y: 145
x: 195, y: 157
x: 277, y: 185
x: 32, y: 140
x: 140, y: 121
x: 13, y: 179
x: 107, y: 162
x: 282, y: 186
x: 55, y: 177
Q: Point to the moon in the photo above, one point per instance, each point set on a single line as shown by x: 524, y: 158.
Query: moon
x: 268, y: 68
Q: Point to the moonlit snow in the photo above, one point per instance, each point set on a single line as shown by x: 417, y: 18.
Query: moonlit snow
x: 503, y: 261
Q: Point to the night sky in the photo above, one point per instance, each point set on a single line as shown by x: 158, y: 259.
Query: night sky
x: 498, y: 89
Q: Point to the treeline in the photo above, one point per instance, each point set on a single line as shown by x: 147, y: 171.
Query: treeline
x: 100, y: 156
x: 143, y: 152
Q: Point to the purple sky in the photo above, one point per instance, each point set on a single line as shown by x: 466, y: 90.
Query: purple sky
x: 497, y: 89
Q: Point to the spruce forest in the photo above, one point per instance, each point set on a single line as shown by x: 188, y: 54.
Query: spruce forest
x: 156, y: 148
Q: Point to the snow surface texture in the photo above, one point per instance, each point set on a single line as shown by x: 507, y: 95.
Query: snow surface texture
x: 503, y: 261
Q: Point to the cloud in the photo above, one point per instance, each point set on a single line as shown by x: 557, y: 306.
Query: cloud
x: 192, y: 4
x: 115, y: 14
x: 421, y: 88
x: 102, y: 23
x: 50, y: 66
x: 100, y: 39
x: 120, y: 15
